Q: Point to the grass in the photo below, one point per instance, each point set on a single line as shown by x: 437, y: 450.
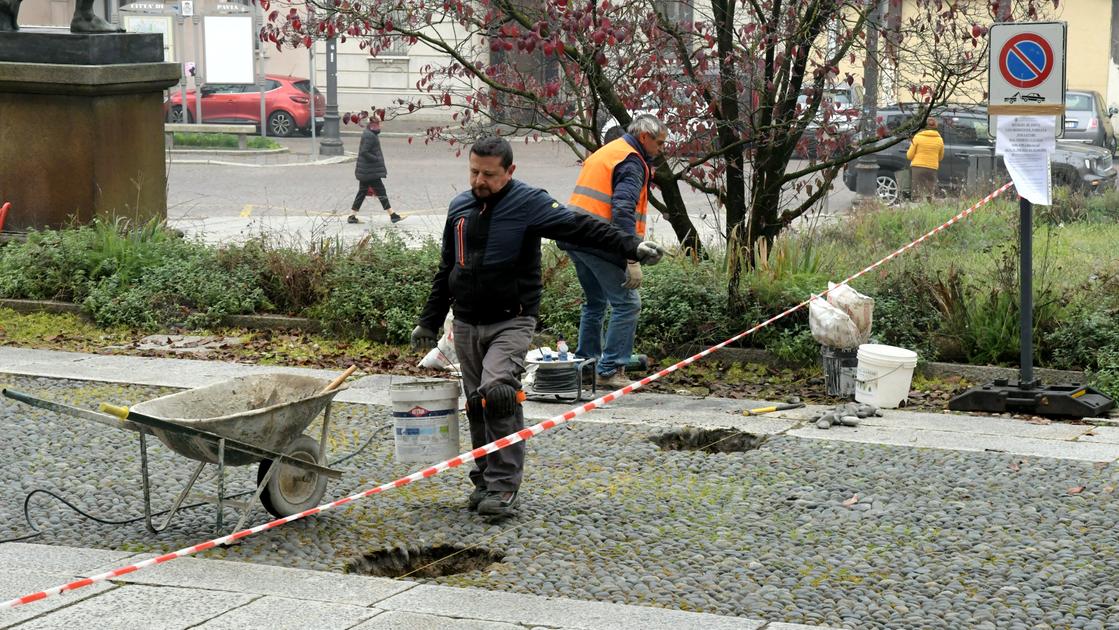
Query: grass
x: 222, y: 141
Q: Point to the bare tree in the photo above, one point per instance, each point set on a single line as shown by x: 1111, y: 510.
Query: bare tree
x: 739, y: 82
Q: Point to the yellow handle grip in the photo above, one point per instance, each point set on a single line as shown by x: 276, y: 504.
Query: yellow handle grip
x: 120, y: 412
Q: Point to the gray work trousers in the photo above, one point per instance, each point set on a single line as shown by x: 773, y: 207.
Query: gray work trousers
x: 493, y: 354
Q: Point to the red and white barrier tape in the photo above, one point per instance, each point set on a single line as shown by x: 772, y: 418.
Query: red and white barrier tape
x: 496, y: 445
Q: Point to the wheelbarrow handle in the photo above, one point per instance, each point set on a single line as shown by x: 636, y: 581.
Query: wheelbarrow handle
x: 256, y: 451
x: 100, y: 418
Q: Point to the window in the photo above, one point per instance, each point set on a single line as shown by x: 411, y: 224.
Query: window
x: 1080, y: 102
x: 676, y: 11
x: 966, y: 130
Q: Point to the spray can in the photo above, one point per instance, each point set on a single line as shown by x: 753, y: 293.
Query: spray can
x: 561, y: 348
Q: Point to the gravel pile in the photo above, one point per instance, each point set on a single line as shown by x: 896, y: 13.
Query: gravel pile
x: 805, y: 531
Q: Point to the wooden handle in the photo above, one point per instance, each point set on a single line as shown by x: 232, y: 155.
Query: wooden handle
x: 338, y: 381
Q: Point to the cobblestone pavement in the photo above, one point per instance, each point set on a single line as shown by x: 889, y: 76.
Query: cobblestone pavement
x: 798, y: 530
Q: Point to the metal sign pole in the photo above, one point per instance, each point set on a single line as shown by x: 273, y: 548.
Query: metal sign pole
x: 314, y: 124
x: 181, y: 49
x: 201, y: 59
x: 1026, y: 275
x: 258, y: 16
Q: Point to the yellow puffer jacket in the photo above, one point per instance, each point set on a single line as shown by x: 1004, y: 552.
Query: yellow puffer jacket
x: 926, y: 150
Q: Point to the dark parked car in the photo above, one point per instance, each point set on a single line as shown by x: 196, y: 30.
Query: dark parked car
x: 966, y: 141
x: 287, y: 104
x: 1087, y: 120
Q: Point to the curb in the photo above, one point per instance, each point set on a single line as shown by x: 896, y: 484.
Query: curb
x: 338, y: 159
x: 977, y: 373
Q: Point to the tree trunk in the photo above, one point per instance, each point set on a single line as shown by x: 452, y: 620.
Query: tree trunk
x: 676, y: 212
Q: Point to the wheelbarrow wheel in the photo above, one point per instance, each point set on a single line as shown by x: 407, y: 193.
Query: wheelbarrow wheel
x: 292, y: 490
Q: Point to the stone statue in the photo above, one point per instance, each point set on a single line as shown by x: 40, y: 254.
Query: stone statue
x: 85, y: 21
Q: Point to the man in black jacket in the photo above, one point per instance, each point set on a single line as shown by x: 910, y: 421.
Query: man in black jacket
x: 490, y: 275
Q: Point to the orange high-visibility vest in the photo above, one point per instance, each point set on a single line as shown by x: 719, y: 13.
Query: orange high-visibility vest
x: 596, y: 185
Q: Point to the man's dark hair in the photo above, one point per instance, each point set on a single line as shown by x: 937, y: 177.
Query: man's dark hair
x: 494, y: 146
x: 613, y: 133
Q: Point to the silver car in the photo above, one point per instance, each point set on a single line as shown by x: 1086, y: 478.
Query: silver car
x: 1087, y: 120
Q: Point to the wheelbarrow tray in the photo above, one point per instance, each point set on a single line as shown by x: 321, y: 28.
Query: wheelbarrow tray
x: 265, y: 410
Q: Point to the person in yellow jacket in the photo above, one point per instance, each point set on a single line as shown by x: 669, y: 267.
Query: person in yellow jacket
x: 926, y: 150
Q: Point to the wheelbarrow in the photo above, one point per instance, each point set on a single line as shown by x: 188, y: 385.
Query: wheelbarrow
x: 245, y: 420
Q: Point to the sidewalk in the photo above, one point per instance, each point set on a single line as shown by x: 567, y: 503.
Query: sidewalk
x: 218, y: 594
x: 208, y: 593
x: 1083, y: 442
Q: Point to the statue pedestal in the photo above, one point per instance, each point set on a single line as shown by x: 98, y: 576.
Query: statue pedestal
x: 79, y: 139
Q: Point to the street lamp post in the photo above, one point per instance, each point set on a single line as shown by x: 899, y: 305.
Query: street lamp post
x: 331, y: 139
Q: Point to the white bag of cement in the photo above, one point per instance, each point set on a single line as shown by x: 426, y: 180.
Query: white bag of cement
x: 859, y: 307
x: 830, y: 326
x: 443, y: 355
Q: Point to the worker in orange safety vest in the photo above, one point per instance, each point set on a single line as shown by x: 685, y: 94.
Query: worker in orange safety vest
x: 614, y: 186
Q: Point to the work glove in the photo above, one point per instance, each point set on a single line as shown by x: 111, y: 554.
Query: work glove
x: 422, y: 338
x: 649, y: 253
x: 633, y: 275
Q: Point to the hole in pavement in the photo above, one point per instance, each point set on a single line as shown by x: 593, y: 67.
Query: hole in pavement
x: 708, y: 440
x: 423, y: 562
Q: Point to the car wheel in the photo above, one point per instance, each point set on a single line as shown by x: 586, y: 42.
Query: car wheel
x: 887, y: 187
x: 1066, y: 178
x: 280, y: 123
x: 176, y: 115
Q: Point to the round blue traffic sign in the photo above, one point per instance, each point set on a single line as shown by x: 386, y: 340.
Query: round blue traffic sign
x: 1026, y: 60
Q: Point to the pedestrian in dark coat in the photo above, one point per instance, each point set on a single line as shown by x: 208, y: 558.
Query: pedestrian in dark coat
x: 369, y: 171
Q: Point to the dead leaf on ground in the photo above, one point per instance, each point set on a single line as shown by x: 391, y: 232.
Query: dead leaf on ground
x: 1076, y: 489
x: 1108, y: 489
x: 1015, y: 466
x: 852, y: 501
x: 1039, y: 420
x: 1099, y: 465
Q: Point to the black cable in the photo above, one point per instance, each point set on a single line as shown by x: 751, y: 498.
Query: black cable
x: 37, y: 532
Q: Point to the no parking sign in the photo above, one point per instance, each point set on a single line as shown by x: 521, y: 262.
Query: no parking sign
x: 1026, y: 72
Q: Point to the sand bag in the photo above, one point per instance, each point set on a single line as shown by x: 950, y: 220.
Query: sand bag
x: 830, y: 326
x: 443, y: 355
x: 859, y: 307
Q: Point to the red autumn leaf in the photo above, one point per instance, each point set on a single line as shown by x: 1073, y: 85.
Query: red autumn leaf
x: 447, y: 99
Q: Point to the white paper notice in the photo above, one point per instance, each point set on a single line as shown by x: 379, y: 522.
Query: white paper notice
x: 1030, y: 172
x: 1025, y: 143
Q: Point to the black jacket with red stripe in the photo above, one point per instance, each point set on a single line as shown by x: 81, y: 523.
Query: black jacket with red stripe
x: 490, y: 266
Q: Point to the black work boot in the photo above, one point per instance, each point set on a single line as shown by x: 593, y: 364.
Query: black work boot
x: 498, y: 503
x: 476, y: 498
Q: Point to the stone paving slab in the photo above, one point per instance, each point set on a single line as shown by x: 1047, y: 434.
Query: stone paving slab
x: 29, y: 580
x: 984, y: 425
x: 282, y: 613
x: 413, y: 621
x: 1101, y: 435
x: 241, y: 577
x: 918, y: 438
x: 554, y: 612
x: 132, y: 607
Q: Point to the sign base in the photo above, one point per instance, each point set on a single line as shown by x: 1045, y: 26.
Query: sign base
x: 1004, y: 395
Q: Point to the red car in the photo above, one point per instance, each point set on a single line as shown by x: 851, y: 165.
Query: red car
x: 287, y: 103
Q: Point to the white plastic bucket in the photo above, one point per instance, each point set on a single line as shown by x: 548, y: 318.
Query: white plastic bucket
x: 425, y: 419
x: 884, y: 375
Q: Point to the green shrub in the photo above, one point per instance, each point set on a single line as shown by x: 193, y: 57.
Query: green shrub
x: 187, y: 288
x: 222, y: 141
x: 379, y: 290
